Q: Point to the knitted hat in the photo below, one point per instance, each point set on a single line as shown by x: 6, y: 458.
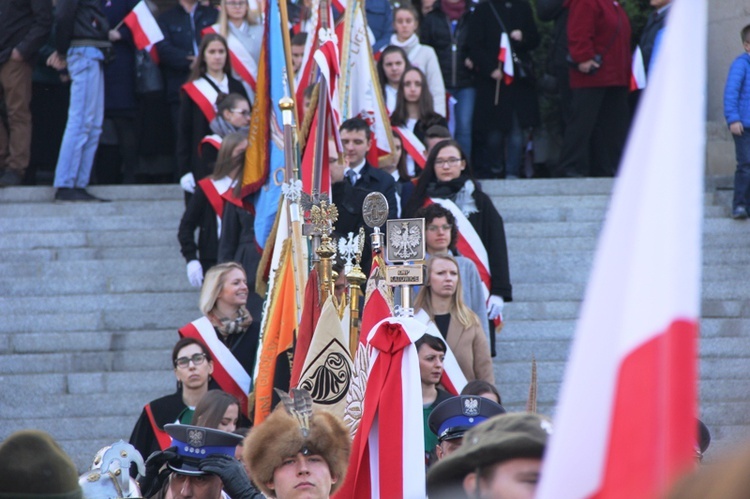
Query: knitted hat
x: 281, y: 436
x: 500, y: 438
x: 32, y: 465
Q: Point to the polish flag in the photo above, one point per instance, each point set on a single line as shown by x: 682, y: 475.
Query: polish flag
x: 625, y: 423
x: 638, y: 73
x: 142, y: 24
x: 505, y: 56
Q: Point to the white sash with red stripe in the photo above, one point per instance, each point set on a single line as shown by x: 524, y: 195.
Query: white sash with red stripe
x: 412, y: 144
x: 453, y: 377
x: 228, y: 372
x: 469, y: 243
x: 242, y: 62
x: 214, y: 140
x: 204, y: 95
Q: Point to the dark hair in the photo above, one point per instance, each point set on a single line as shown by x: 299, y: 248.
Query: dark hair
x: 431, y: 341
x: 225, y: 162
x: 403, y: 172
x: 199, y: 69
x: 183, y: 342
x: 480, y: 386
x: 433, y: 211
x: 745, y: 33
x: 210, y: 410
x: 428, y: 176
x: 226, y: 102
x: 437, y: 132
x: 390, y: 49
x: 299, y: 39
x: 425, y: 104
x: 356, y: 124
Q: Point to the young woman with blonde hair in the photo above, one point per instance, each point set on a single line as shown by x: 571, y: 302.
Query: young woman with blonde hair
x: 440, y: 301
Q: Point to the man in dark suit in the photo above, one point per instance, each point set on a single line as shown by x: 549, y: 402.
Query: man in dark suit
x: 651, y: 36
x: 360, y: 179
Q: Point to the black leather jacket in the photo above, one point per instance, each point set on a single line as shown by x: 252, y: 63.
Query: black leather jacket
x: 79, y: 20
x: 451, y: 47
x: 24, y: 25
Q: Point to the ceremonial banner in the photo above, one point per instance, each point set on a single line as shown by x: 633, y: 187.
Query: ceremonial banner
x: 359, y: 89
x: 307, y: 324
x: 327, y: 369
x: 378, y: 298
x: 625, y: 424
x: 264, y: 159
x: 144, y: 27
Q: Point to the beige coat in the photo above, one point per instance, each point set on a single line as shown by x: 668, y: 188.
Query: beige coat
x: 470, y: 347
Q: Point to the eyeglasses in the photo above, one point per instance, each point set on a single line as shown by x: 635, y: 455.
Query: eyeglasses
x: 449, y: 162
x: 435, y: 228
x: 243, y: 112
x: 197, y: 359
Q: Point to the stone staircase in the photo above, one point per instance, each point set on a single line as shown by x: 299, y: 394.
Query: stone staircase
x: 91, y: 296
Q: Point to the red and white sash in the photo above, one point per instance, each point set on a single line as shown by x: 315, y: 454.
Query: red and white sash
x: 162, y: 437
x: 242, y: 62
x: 469, y: 243
x: 412, y: 145
x: 204, y: 95
x: 214, y: 140
x: 228, y: 372
x: 214, y: 190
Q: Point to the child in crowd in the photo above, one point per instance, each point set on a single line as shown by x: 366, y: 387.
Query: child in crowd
x: 737, y: 113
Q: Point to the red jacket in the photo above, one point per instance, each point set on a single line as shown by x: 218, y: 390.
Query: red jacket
x: 599, y: 27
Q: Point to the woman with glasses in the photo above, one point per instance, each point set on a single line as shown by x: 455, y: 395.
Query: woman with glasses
x: 209, y: 79
x: 193, y: 366
x: 232, y: 116
x: 441, y: 301
x: 228, y: 329
x: 207, y: 206
x: 448, y: 181
x: 240, y: 25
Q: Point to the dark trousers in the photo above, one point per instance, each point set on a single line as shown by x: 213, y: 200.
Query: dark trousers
x: 595, y: 132
x: 742, y: 174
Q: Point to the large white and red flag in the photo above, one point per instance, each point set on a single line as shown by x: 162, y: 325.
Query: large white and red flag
x: 625, y: 424
x: 144, y: 27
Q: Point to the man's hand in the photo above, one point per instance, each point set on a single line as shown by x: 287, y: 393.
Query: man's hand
x: 516, y: 35
x: 16, y: 56
x: 114, y: 35
x: 585, y: 67
x: 56, y: 61
x: 736, y: 128
x: 496, y: 75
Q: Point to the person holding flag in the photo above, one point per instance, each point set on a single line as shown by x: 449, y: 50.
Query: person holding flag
x: 506, y: 102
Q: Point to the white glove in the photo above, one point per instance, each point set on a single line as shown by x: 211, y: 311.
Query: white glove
x: 195, y: 273
x: 495, y: 307
x: 187, y: 182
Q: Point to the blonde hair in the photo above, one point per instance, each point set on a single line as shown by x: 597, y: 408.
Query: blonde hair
x: 252, y: 17
x: 459, y: 309
x: 213, y: 283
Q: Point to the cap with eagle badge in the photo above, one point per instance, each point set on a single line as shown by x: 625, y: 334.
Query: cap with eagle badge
x: 194, y: 443
x: 455, y: 416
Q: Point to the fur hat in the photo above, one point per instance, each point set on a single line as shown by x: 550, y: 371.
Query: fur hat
x: 280, y: 436
x: 500, y: 438
x: 32, y: 465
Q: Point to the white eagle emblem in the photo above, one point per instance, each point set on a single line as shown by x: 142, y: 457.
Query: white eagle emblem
x: 405, y: 240
x: 471, y: 407
x: 196, y: 438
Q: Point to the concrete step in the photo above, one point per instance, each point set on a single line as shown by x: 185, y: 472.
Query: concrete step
x: 85, y: 362
x: 95, y: 238
x: 103, y: 320
x: 186, y: 300
x: 162, y: 282
x: 85, y: 222
x: 153, y: 253
x: 85, y: 269
x: 114, y: 193
x: 148, y: 209
x: 87, y: 341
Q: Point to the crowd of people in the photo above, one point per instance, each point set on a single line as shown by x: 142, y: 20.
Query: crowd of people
x: 77, y: 98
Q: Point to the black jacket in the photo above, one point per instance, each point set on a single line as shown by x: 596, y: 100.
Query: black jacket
x: 348, y: 199
x: 24, y: 25
x: 436, y: 32
x: 178, y: 44
x: 654, y: 24
x: 192, y: 127
x: 199, y: 214
x: 79, y: 20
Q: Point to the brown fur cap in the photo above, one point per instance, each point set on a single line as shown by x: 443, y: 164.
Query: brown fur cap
x: 279, y: 437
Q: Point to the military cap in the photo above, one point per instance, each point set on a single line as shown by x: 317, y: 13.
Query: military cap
x: 500, y: 438
x: 32, y: 465
x: 455, y: 416
x: 194, y: 443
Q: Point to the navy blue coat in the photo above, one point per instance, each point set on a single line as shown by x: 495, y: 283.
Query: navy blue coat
x: 119, y: 75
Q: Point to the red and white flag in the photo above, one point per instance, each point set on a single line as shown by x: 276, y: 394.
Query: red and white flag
x: 638, y: 71
x: 144, y: 27
x: 505, y: 56
x: 625, y: 423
